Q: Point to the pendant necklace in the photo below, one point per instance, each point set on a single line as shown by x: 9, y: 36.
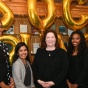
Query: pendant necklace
x: 49, y: 54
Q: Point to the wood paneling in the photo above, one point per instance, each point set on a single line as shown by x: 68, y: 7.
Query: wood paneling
x: 20, y: 8
x: 23, y: 21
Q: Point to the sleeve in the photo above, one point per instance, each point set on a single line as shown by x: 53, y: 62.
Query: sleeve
x: 16, y: 72
x: 1, y: 65
x: 34, y: 65
x: 7, y: 50
x: 84, y: 75
x: 64, y: 68
x: 1, y: 73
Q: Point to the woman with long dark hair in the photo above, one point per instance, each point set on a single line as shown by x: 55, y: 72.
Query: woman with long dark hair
x: 77, y: 54
x: 21, y: 68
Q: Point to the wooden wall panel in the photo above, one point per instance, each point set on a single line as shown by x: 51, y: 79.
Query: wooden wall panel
x: 23, y: 21
x: 20, y: 8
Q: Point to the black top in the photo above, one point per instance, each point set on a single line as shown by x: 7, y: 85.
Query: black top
x: 74, y: 69
x: 27, y: 80
x: 5, y: 68
x: 50, y: 66
x: 78, y: 69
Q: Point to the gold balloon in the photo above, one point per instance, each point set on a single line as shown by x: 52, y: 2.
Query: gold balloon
x: 81, y: 2
x: 8, y: 16
x: 69, y: 21
x: 25, y: 38
x: 86, y: 36
x: 35, y: 20
x: 12, y: 41
x: 61, y: 42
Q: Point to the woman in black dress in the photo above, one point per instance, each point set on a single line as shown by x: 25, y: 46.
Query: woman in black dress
x: 50, y: 64
x: 78, y: 61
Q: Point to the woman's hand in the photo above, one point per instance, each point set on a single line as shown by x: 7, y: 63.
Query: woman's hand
x: 40, y: 82
x: 49, y: 84
x: 12, y: 83
x: 3, y: 85
x: 69, y: 84
x: 74, y: 86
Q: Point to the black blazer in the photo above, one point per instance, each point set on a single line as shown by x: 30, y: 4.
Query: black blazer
x: 52, y: 68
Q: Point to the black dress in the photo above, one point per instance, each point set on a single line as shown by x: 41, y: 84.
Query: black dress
x: 78, y: 70
x: 50, y: 66
x: 5, y: 68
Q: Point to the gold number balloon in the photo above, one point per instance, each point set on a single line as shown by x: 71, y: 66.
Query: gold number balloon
x: 35, y: 19
x: 8, y: 16
x: 81, y: 2
x: 12, y: 41
x: 61, y: 42
x: 86, y: 35
x: 69, y: 21
x: 26, y: 38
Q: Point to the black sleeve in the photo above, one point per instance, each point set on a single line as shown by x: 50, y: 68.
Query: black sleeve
x: 1, y: 73
x: 84, y: 75
x: 1, y: 65
x: 64, y: 68
x: 34, y: 65
x: 10, y: 67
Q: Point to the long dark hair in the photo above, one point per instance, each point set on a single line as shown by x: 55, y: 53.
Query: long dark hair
x: 81, y: 47
x: 18, y: 46
x: 43, y: 42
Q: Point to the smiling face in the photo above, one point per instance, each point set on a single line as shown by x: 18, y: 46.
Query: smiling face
x: 76, y: 40
x: 50, y: 39
x: 22, y: 52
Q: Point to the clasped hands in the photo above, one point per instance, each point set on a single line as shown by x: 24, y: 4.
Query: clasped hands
x: 47, y: 84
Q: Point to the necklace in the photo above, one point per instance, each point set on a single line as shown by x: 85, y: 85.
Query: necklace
x: 49, y: 54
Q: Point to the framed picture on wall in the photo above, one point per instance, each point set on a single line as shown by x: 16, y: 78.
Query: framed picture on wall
x: 63, y: 30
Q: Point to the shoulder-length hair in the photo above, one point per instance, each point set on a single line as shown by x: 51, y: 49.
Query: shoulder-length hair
x: 43, y: 42
x: 82, y: 46
x: 18, y: 46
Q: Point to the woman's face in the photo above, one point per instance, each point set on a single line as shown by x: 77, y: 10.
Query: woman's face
x: 76, y: 40
x: 50, y: 39
x: 22, y: 52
